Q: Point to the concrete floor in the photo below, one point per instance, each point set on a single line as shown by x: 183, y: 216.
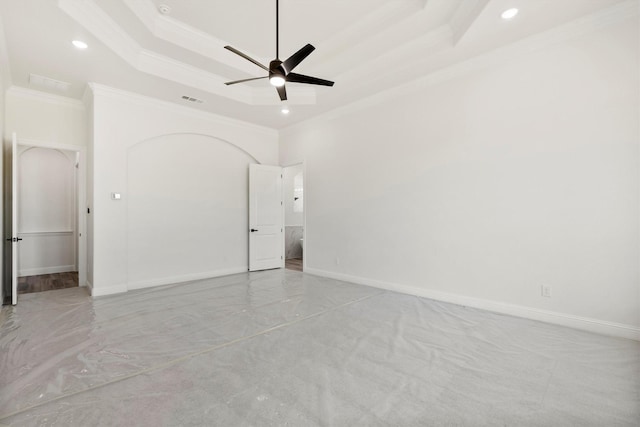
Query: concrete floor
x: 281, y: 347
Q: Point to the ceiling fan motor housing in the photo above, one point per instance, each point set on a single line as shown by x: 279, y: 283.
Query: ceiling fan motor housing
x: 279, y: 71
x: 276, y: 69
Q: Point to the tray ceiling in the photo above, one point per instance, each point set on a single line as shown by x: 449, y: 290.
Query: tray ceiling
x: 365, y: 46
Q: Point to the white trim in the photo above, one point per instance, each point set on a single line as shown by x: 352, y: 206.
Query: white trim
x: 186, y: 278
x: 87, y: 97
x: 388, y: 24
x: 304, y: 212
x: 40, y: 143
x: 148, y: 101
x: 305, y: 254
x: 503, y: 54
x: 190, y: 38
x: 464, y: 17
x: 4, y: 62
x: 46, y: 270
x: 81, y: 195
x: 45, y: 233
x: 108, y: 31
x: 577, y: 322
x: 31, y: 94
x: 106, y: 290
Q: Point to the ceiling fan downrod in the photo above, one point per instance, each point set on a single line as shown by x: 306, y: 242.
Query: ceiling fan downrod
x: 281, y: 72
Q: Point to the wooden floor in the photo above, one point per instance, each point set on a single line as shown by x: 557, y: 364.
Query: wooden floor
x: 47, y: 282
x: 293, y: 264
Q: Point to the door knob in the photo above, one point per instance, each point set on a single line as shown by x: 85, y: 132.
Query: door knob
x: 253, y: 229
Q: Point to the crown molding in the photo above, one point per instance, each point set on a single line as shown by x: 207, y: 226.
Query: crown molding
x: 365, y: 32
x: 386, y: 48
x: 464, y: 16
x: 379, y: 27
x: 432, y: 42
x: 36, y: 95
x: 179, y: 72
x: 146, y: 101
x: 104, y: 28
x: 176, y: 32
x: 620, y: 12
x: 87, y: 100
x: 5, y: 66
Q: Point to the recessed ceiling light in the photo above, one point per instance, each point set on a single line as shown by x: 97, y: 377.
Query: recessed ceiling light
x: 164, y: 9
x: 80, y: 44
x: 509, y: 13
x: 285, y: 110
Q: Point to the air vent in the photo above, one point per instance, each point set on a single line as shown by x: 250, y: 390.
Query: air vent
x: 191, y: 99
x: 48, y: 83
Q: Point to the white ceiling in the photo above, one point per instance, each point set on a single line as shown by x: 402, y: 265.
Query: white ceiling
x: 365, y: 46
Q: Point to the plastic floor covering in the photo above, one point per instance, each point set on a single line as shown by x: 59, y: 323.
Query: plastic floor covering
x: 281, y: 348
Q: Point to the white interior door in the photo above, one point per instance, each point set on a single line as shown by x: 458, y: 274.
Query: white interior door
x: 14, y: 219
x: 266, y: 218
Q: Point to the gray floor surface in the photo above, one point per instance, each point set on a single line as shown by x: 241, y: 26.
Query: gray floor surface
x: 280, y: 348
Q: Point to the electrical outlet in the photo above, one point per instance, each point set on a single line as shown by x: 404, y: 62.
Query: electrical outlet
x: 546, y: 291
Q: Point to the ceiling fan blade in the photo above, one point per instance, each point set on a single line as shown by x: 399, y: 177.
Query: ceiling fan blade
x: 282, y: 92
x: 247, y: 57
x: 297, y: 58
x: 300, y: 78
x: 246, y: 80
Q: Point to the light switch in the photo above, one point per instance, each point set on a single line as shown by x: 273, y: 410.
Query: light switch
x: 115, y: 196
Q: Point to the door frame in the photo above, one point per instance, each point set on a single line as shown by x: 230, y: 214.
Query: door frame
x: 81, y: 198
x: 304, y: 214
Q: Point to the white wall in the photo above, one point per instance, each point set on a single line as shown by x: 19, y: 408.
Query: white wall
x: 46, y: 211
x: 182, y: 175
x: 40, y: 116
x: 291, y: 216
x: 482, y: 188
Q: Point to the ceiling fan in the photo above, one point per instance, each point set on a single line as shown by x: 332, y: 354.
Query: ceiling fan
x: 280, y: 71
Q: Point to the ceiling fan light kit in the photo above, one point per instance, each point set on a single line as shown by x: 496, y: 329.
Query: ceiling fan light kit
x: 281, y: 72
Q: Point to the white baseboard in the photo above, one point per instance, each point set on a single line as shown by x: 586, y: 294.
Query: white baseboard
x: 106, y: 290
x: 584, y: 323
x: 121, y: 288
x: 46, y: 270
x: 186, y: 278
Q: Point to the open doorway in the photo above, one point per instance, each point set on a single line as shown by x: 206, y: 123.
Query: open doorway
x: 47, y: 219
x: 44, y: 218
x: 293, y: 188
